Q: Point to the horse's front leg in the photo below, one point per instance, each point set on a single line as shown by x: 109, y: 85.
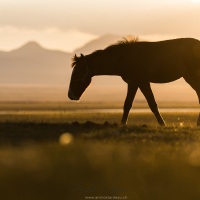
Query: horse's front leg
x: 132, y: 89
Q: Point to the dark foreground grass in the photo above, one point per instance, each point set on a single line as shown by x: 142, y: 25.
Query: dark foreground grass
x: 102, y: 160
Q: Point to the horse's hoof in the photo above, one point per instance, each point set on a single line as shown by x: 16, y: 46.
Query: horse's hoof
x: 162, y: 124
x: 123, y: 124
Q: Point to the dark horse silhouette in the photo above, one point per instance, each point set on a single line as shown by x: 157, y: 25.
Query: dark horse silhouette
x: 139, y: 64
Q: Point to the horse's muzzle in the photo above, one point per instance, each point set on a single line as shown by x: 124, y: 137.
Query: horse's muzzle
x: 72, y: 96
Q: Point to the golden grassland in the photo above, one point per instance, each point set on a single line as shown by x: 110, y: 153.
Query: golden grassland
x: 77, y: 155
x: 70, y: 105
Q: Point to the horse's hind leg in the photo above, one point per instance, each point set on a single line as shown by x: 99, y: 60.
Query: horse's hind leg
x: 146, y: 90
x: 194, y: 82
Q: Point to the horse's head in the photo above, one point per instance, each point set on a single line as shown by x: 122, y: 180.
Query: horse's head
x: 80, y: 79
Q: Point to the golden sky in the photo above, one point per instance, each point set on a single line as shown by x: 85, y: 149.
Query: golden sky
x: 68, y: 24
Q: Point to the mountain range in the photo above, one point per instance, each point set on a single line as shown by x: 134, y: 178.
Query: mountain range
x: 33, y: 73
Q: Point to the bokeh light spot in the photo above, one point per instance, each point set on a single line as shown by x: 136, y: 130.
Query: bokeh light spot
x: 66, y: 138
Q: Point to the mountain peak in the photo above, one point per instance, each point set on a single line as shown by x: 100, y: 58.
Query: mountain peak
x: 31, y: 48
x: 31, y: 45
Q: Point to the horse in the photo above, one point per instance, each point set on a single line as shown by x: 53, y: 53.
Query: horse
x: 140, y: 63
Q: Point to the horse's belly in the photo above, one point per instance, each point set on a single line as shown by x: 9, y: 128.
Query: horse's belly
x: 164, y: 79
x: 163, y: 76
x: 167, y: 69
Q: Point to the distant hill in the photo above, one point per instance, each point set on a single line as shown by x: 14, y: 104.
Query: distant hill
x: 99, y: 43
x: 33, y: 73
x: 32, y: 64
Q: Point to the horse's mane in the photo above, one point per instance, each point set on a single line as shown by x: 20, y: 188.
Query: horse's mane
x: 129, y: 40
x: 126, y: 41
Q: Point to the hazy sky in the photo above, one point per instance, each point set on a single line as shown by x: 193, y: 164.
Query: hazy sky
x: 68, y: 24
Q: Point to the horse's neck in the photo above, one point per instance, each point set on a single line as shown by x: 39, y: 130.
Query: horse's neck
x: 104, y: 71
x: 101, y: 67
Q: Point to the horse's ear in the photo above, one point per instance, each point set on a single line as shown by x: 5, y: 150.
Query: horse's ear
x: 82, y: 56
x: 75, y: 58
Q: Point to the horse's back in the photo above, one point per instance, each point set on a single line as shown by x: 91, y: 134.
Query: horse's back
x: 163, y: 61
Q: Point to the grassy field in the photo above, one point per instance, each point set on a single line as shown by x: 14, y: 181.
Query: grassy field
x: 64, y: 155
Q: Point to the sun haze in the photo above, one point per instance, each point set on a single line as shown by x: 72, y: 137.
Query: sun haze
x: 67, y: 25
